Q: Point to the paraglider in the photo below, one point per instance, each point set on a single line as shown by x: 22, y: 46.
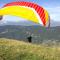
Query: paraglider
x: 27, y: 10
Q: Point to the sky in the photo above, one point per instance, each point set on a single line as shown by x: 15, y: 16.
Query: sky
x: 52, y: 6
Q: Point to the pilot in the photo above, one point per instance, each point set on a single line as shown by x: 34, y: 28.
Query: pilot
x: 29, y: 39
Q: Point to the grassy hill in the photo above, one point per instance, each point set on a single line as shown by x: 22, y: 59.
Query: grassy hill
x: 19, y: 50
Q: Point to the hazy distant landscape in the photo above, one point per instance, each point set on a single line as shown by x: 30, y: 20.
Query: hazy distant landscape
x: 39, y: 34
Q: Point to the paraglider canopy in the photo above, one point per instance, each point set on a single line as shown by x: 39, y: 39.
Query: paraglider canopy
x: 27, y: 10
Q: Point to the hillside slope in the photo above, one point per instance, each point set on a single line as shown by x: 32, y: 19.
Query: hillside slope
x: 18, y: 50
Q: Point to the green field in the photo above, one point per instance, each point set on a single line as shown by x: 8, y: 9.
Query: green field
x: 18, y: 50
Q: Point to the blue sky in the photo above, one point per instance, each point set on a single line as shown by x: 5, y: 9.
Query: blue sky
x: 52, y: 6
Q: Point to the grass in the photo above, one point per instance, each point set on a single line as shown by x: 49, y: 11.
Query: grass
x: 18, y: 50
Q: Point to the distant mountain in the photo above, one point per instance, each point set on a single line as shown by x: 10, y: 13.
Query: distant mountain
x: 39, y: 34
x: 22, y: 23
x: 55, y: 23
x: 28, y: 23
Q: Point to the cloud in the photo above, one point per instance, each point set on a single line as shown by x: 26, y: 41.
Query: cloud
x: 54, y: 13
x: 12, y: 18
